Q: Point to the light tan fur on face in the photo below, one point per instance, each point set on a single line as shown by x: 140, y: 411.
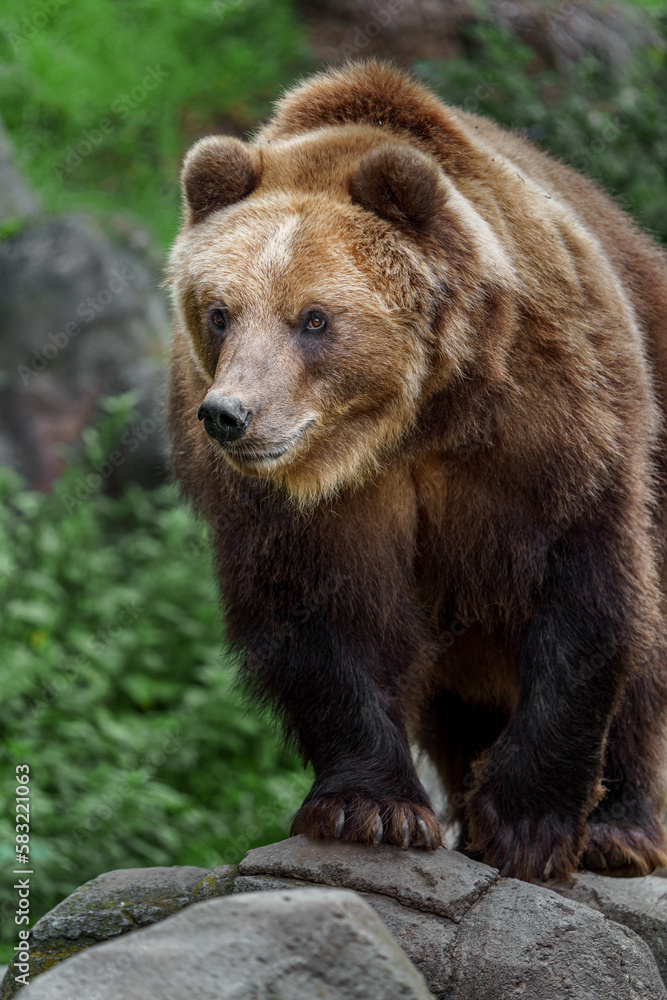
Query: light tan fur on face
x: 410, y: 311
x: 269, y: 258
x: 288, y: 246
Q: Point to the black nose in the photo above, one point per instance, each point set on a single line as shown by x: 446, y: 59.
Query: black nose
x: 225, y: 417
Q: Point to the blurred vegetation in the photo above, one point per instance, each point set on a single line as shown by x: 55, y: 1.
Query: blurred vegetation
x: 114, y: 690
x: 609, y: 125
x: 102, y: 97
x: 113, y: 686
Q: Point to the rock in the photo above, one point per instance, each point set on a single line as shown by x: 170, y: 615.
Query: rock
x: 442, y: 882
x: 427, y: 939
x: 323, y: 943
x: 408, y: 30
x: 515, y: 942
x: 218, y: 882
x: 469, y: 932
x: 566, y: 32
x: 82, y: 317
x: 402, y: 31
x: 107, y: 906
x: 638, y: 903
x: 15, y: 198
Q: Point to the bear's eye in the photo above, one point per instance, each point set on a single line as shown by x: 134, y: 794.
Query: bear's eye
x: 218, y: 319
x: 315, y: 322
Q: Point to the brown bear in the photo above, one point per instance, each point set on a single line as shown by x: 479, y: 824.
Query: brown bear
x: 429, y: 367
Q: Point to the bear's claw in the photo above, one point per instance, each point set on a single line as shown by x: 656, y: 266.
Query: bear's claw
x: 356, y: 818
x: 624, y: 850
x: 426, y: 834
x: 528, y: 847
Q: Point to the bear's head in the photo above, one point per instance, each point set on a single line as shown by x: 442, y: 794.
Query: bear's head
x: 309, y: 278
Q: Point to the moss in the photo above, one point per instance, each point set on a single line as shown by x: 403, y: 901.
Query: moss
x: 219, y: 882
x: 93, y: 914
x: 44, y: 957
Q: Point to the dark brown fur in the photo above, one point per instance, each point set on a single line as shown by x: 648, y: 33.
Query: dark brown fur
x: 477, y: 438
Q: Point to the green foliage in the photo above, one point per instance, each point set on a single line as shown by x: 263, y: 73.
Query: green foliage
x: 102, y: 97
x: 612, y: 127
x: 116, y: 693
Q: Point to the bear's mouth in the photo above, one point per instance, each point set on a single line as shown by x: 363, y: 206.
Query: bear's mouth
x: 244, y: 453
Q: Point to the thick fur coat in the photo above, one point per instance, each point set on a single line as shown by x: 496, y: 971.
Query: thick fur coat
x: 429, y: 363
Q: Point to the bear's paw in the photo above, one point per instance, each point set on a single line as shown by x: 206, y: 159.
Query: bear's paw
x: 358, y: 818
x: 624, y: 850
x: 531, y: 847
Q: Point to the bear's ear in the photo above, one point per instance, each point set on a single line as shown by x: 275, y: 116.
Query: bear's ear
x: 217, y: 171
x: 400, y: 184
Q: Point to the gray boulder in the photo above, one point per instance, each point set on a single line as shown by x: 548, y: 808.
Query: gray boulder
x: 441, y: 882
x: 106, y: 907
x: 82, y: 317
x: 523, y: 941
x: 404, y: 30
x: 323, y: 943
x: 427, y: 939
x: 638, y: 903
x: 471, y: 933
x: 218, y: 882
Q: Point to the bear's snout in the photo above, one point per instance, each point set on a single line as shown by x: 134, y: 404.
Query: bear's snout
x: 225, y: 417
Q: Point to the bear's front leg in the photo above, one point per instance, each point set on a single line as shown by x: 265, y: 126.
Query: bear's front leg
x: 533, y: 790
x: 370, y: 797
x: 341, y: 699
x: 625, y: 832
